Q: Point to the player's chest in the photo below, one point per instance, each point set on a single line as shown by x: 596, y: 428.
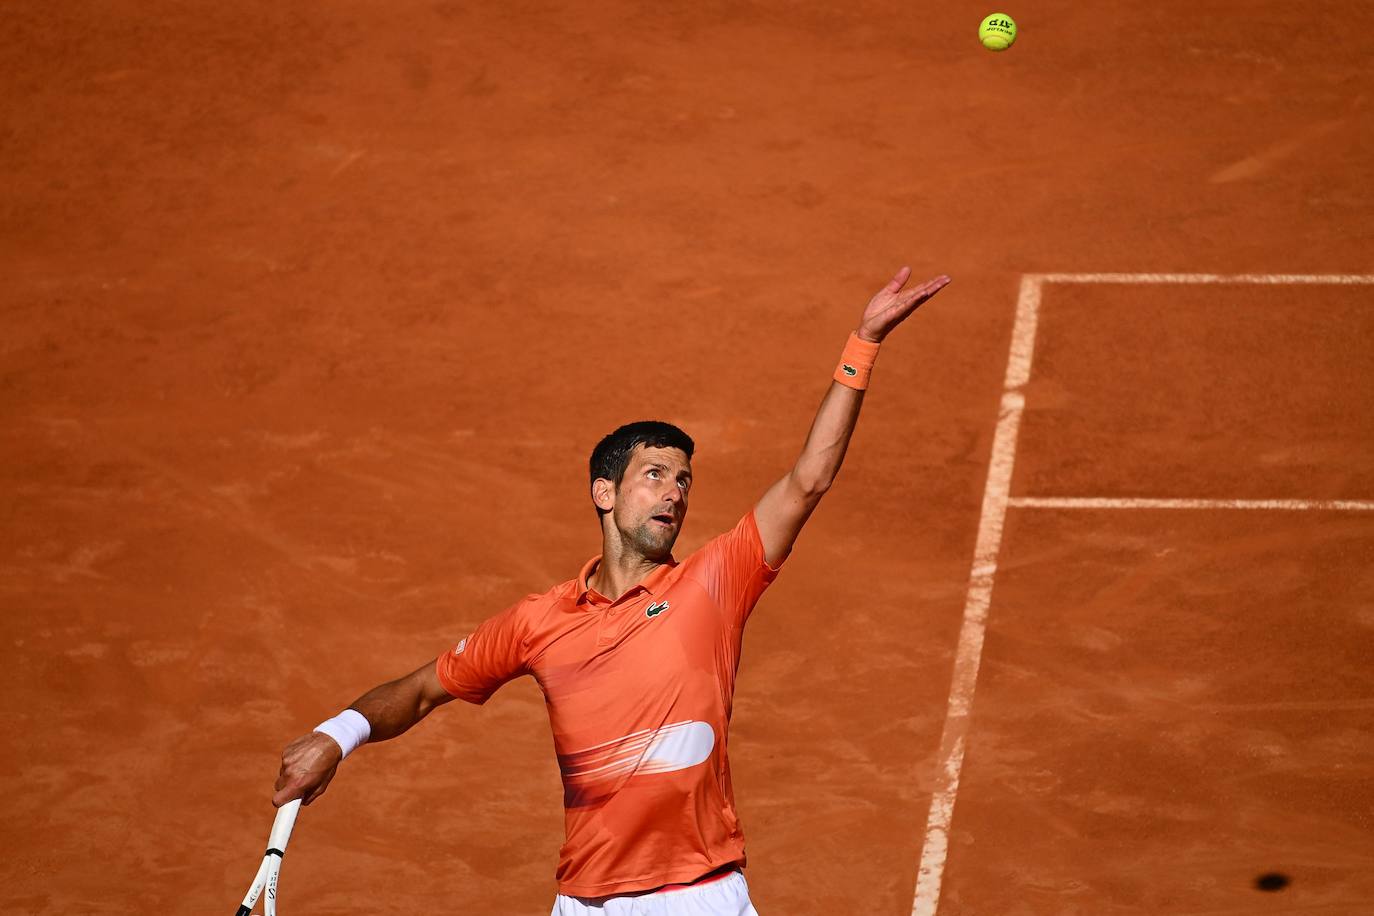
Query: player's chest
x: 643, y: 635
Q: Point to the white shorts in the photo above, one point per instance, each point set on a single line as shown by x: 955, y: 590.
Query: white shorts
x: 729, y: 896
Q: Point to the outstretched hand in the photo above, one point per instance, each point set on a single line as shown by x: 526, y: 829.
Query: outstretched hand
x: 892, y: 304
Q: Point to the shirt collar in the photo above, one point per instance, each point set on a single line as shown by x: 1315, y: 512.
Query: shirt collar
x: 650, y: 583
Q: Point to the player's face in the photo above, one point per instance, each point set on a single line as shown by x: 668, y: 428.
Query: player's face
x: 651, y: 501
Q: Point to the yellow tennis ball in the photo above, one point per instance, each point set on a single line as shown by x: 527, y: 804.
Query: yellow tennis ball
x: 997, y: 32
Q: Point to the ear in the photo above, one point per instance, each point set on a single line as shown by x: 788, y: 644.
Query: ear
x: 603, y: 494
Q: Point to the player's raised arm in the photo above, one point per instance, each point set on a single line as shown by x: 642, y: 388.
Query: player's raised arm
x: 787, y: 505
x: 309, y: 763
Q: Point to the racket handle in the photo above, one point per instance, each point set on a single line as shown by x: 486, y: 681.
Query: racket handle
x: 271, y: 863
x: 281, y: 827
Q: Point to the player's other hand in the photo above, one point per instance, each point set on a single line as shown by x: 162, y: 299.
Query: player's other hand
x: 892, y: 304
x: 307, y: 766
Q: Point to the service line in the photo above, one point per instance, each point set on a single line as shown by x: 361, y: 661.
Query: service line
x: 1106, y: 502
x: 1158, y: 279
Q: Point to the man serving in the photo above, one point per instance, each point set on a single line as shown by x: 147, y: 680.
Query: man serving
x: 636, y: 657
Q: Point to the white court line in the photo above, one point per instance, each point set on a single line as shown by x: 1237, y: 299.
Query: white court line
x: 970, y: 651
x: 1078, y: 502
x: 997, y: 499
x: 1272, y: 279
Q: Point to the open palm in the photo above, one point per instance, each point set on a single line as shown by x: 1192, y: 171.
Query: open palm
x: 891, y: 305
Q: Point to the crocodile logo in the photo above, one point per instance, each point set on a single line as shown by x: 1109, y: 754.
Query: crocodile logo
x: 848, y: 370
x: 653, y: 610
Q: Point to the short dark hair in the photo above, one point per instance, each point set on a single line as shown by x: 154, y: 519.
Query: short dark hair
x: 612, y: 454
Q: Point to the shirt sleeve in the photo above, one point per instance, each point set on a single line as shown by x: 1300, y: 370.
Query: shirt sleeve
x: 732, y: 569
x: 493, y: 654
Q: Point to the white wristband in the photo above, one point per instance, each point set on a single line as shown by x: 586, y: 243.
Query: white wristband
x: 349, y: 729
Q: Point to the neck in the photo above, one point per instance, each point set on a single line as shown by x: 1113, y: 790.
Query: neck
x: 620, y: 569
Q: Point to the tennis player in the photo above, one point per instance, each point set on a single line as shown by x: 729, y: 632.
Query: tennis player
x: 636, y: 657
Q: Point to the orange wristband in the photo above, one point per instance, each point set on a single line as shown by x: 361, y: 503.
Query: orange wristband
x: 856, y: 362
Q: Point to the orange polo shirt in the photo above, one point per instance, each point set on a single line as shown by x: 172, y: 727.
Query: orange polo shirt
x: 639, y: 693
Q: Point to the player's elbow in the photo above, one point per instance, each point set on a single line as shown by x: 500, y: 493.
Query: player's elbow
x: 427, y: 703
x: 430, y: 692
x: 811, y: 487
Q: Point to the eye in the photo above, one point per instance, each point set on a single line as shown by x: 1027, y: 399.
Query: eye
x: 684, y: 483
x: 653, y: 473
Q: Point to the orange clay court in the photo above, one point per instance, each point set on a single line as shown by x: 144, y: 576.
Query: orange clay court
x: 313, y: 312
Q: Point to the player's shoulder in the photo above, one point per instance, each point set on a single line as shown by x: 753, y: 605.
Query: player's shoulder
x: 539, y: 602
x: 539, y: 612
x: 535, y: 601
x: 725, y: 543
x: 745, y: 528
x: 528, y: 615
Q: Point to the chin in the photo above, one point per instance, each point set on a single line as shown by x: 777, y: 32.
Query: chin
x: 661, y: 551
x: 652, y: 545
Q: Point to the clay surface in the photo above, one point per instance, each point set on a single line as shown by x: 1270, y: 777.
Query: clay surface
x: 313, y: 312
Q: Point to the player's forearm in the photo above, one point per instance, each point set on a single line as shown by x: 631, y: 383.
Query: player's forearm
x: 828, y: 440
x: 392, y: 708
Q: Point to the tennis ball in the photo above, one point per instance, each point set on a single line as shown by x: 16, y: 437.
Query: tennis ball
x: 997, y: 32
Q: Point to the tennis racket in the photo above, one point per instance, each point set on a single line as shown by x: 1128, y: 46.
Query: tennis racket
x: 270, y: 868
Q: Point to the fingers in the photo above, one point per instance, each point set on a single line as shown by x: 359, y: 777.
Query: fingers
x: 307, y: 766
x: 285, y: 794
x: 306, y: 786
x: 918, y: 295
x: 281, y: 789
x: 928, y: 288
x: 319, y: 790
x: 890, y: 307
x: 912, y: 298
x: 897, y: 282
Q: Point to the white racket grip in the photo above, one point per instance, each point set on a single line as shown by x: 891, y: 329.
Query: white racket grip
x: 281, y: 827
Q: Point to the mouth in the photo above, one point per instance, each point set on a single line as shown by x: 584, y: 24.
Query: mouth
x: 664, y: 518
